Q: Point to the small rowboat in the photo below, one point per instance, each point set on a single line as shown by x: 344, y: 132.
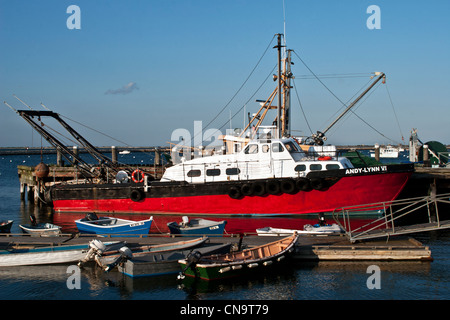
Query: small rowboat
x: 197, y: 227
x: 307, y: 230
x: 320, y: 228
x: 5, y: 226
x: 112, y: 257
x: 41, y: 229
x: 113, y: 226
x: 54, y: 254
x: 162, y: 263
x: 235, y: 264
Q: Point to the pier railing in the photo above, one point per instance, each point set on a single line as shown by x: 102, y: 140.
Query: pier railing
x: 394, y: 220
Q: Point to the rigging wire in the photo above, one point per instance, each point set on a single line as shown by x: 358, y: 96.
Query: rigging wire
x: 240, y: 109
x: 240, y: 88
x: 318, y: 79
x: 301, y: 106
x: 395, y: 114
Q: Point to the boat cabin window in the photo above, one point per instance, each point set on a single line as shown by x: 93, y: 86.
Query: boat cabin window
x: 332, y: 166
x: 291, y: 147
x: 232, y: 171
x: 251, y: 149
x: 315, y: 167
x: 277, y: 147
x: 300, y: 167
x: 213, y: 172
x: 265, y: 148
x: 194, y: 173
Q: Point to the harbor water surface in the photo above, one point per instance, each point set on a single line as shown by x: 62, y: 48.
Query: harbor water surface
x: 297, y: 281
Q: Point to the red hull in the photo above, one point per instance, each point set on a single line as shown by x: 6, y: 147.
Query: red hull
x: 348, y: 191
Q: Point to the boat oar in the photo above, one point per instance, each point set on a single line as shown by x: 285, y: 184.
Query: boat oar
x: 125, y: 254
x: 192, y: 260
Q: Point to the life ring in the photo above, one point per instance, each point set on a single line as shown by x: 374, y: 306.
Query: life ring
x: 324, y: 158
x: 288, y: 186
x: 234, y: 193
x: 140, y: 176
x: 136, y: 195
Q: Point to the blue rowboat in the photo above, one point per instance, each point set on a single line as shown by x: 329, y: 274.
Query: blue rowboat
x: 197, y: 227
x: 113, y: 226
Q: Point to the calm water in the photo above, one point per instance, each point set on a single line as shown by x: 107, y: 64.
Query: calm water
x: 301, y: 281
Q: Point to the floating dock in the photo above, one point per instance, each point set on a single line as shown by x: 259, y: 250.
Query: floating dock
x: 315, y: 248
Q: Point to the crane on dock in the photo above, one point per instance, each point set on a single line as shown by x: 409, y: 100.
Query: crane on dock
x: 34, y: 118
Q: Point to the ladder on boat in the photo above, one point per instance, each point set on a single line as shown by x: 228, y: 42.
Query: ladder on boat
x: 388, y: 225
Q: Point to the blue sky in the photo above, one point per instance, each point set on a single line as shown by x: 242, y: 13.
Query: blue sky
x: 138, y: 70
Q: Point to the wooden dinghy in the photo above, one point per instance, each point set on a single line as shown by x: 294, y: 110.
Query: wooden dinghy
x: 214, y: 267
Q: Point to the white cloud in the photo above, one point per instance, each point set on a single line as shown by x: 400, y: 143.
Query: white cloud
x: 124, y: 90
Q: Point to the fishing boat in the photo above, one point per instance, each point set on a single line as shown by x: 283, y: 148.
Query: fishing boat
x: 156, y: 264
x: 54, y: 254
x: 197, y: 227
x: 214, y: 267
x: 388, y: 152
x: 111, y: 257
x: 263, y: 170
x: 112, y: 226
x: 5, y: 226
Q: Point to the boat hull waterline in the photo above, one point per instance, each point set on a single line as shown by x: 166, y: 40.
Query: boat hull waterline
x: 212, y: 198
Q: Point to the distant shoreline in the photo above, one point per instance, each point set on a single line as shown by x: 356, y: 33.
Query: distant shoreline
x: 52, y: 150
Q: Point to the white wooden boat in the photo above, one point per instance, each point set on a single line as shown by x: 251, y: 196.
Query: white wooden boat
x: 41, y: 229
x: 54, y: 254
x: 308, y: 230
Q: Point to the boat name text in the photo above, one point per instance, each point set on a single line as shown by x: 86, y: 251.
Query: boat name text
x: 366, y: 170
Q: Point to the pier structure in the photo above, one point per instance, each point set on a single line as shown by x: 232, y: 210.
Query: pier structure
x: 33, y: 183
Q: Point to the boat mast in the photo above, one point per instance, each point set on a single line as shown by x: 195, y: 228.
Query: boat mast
x: 279, y: 123
x: 287, y: 75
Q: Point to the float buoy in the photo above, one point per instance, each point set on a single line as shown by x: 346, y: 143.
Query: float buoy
x: 137, y: 176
